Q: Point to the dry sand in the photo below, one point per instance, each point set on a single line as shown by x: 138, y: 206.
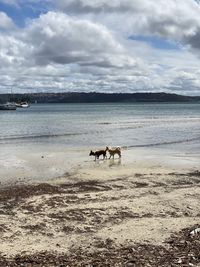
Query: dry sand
x: 106, y: 209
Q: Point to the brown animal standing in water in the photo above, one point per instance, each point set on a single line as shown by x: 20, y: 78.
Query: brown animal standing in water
x: 114, y: 150
x: 98, y: 153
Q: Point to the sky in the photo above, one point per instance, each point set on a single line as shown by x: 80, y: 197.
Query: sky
x: 100, y: 45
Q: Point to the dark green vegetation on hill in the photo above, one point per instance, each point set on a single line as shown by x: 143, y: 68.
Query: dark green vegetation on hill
x: 97, y: 97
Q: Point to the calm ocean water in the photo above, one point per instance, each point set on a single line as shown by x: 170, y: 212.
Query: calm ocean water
x: 94, y: 125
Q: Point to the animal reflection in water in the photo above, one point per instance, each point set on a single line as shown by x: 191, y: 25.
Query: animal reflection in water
x: 113, y: 162
x: 111, y: 150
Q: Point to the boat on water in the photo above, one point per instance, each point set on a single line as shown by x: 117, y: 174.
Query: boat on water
x: 8, y: 106
x: 22, y: 105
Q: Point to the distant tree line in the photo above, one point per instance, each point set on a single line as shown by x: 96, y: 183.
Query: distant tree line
x: 96, y: 97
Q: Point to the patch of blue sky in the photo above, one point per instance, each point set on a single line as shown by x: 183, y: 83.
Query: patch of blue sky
x: 20, y: 14
x: 156, y: 42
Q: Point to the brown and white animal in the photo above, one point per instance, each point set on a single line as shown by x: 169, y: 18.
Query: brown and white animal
x: 98, y: 153
x: 114, y: 150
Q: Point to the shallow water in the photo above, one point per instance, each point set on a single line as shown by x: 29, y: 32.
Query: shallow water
x: 80, y: 125
x: 64, y: 134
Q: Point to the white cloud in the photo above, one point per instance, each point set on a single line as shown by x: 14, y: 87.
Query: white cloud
x: 178, y: 20
x: 87, y: 48
x: 58, y: 38
x: 6, y: 22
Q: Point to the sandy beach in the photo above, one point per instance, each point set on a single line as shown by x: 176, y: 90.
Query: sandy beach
x: 137, y: 211
x: 82, y: 78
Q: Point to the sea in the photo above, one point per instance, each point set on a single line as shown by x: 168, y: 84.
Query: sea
x: 48, y: 128
x: 93, y: 125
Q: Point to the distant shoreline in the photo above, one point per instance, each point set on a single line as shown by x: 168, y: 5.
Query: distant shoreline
x: 93, y: 97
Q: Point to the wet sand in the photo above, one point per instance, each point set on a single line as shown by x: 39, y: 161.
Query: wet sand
x: 105, y: 213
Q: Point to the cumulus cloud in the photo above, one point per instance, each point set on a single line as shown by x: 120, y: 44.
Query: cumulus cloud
x: 174, y: 19
x: 88, y: 6
x: 58, y: 38
x: 6, y: 22
x: 87, y: 45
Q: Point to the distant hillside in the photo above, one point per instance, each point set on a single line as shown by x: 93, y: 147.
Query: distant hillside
x: 97, y: 97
